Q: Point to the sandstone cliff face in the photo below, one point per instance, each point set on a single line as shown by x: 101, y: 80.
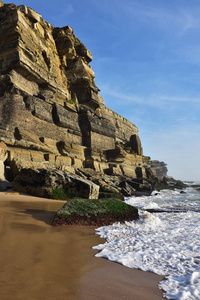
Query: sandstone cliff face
x: 51, y: 112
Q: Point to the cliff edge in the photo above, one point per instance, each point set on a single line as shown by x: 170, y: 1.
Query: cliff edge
x: 52, y: 116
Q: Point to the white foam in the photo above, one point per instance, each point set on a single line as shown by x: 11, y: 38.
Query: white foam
x: 164, y: 243
x: 168, y: 199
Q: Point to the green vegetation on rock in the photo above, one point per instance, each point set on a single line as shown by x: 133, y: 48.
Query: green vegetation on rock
x: 71, y: 101
x: 59, y: 194
x: 95, y: 212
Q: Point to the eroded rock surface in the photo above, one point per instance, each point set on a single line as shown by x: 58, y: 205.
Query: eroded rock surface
x: 41, y: 182
x: 51, y: 112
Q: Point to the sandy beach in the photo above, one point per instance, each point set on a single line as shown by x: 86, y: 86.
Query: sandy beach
x: 43, y: 262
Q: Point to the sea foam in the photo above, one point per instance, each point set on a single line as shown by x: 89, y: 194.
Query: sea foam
x: 164, y: 243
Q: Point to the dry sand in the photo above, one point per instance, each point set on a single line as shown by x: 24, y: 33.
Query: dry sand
x: 38, y: 261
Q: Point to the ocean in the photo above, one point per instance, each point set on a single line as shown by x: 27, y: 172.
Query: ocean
x: 166, y: 243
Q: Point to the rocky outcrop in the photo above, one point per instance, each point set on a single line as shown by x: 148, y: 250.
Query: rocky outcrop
x: 159, y: 168
x: 95, y: 212
x: 161, y: 179
x: 51, y: 113
x: 42, y: 182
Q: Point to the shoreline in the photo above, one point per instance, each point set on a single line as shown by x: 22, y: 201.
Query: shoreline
x: 39, y: 261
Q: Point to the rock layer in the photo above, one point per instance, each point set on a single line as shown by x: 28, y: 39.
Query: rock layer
x: 51, y: 112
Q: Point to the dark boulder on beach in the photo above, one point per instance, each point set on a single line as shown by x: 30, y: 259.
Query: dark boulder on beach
x: 44, y: 183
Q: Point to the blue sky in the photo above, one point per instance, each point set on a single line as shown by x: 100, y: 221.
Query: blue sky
x: 146, y: 57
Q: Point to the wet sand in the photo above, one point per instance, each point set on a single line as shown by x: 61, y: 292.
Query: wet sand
x: 38, y: 261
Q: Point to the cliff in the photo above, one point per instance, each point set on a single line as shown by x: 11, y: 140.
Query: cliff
x: 51, y: 113
x: 159, y: 168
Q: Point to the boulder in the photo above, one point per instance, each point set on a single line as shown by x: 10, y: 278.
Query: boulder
x: 41, y: 182
x: 94, y: 212
x: 127, y: 190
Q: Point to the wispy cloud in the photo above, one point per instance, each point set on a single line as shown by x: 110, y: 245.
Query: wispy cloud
x: 166, y: 17
x: 151, y: 100
x: 179, y: 99
x: 189, y: 20
x: 169, y: 18
x: 189, y: 53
